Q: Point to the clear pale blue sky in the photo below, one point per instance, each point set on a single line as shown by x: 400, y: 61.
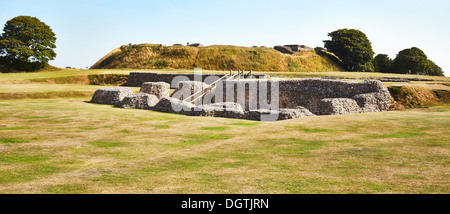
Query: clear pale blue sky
x: 86, y: 30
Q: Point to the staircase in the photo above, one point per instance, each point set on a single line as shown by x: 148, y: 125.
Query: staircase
x: 201, y: 93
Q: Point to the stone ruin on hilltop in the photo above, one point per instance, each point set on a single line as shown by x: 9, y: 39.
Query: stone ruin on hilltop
x: 292, y: 49
x: 232, y: 97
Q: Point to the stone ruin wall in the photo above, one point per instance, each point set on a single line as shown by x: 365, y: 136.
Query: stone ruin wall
x: 136, y: 79
x: 297, y: 98
x: 319, y: 96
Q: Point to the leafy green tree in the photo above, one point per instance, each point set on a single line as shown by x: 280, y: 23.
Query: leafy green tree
x: 353, y: 48
x: 411, y: 59
x: 382, y: 63
x: 26, y: 44
x: 435, y: 70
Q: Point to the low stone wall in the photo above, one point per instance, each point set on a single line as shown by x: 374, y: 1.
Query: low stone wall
x: 319, y: 96
x: 136, y: 79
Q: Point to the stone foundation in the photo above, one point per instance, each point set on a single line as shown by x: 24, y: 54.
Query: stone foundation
x: 296, y: 98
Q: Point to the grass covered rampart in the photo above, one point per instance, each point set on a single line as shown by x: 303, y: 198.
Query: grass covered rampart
x: 216, y: 57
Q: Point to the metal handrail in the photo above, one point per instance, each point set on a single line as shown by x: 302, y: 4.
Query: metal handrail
x: 203, y: 91
x: 212, y: 85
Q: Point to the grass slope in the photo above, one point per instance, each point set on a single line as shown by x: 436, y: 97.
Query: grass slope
x: 216, y: 57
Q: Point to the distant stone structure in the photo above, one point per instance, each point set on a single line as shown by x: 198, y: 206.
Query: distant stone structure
x: 283, y: 49
x: 297, y: 48
x: 196, y: 45
x: 297, y: 98
x: 292, y: 49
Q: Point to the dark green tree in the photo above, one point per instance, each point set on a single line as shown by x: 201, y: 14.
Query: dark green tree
x: 26, y: 44
x: 382, y: 63
x: 353, y: 48
x: 411, y: 59
x: 435, y: 70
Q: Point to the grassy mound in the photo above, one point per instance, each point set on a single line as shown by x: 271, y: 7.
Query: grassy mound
x: 443, y: 95
x: 410, y: 96
x: 216, y: 57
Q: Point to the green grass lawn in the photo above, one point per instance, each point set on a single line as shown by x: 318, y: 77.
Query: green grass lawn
x: 67, y: 145
x: 35, y: 90
x: 34, y: 87
x: 4, y: 77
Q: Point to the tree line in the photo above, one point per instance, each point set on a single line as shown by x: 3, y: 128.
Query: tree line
x: 355, y: 50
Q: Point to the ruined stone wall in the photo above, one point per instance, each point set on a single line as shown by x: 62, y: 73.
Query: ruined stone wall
x: 257, y: 99
x: 321, y: 97
x: 136, y: 79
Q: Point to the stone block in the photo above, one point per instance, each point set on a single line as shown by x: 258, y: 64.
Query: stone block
x: 111, y: 96
x: 159, y: 89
